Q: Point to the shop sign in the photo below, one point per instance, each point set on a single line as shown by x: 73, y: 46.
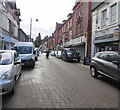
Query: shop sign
x: 79, y: 40
x: 116, y: 34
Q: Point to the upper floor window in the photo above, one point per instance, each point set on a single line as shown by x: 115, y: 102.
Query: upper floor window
x: 3, y: 2
x: 113, y: 13
x: 104, y: 15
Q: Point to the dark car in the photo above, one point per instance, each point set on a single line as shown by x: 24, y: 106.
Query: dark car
x: 70, y: 54
x: 106, y: 63
x: 36, y: 54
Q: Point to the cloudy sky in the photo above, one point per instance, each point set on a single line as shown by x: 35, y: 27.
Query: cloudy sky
x: 48, y: 12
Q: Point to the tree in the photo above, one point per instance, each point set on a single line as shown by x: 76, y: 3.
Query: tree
x: 37, y: 41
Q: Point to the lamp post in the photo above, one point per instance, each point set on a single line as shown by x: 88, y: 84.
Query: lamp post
x: 31, y: 28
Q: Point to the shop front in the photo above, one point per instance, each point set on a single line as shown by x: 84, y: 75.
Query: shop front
x: 0, y: 44
x: 6, y: 42
x: 106, y: 43
x: 79, y: 44
x: 107, y: 46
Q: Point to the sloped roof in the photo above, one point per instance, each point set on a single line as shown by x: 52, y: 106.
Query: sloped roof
x: 58, y: 25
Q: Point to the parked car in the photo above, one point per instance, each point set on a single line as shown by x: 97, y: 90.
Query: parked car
x: 52, y: 53
x: 10, y: 70
x: 58, y: 54
x: 26, y: 51
x: 70, y: 54
x: 106, y: 63
x: 55, y: 53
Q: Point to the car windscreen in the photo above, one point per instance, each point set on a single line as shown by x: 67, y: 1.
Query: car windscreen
x: 71, y: 51
x: 5, y: 58
x: 23, y: 49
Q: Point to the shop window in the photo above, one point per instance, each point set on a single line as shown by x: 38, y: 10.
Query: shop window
x: 0, y: 45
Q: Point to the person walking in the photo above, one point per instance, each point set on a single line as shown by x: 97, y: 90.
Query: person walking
x: 47, y: 54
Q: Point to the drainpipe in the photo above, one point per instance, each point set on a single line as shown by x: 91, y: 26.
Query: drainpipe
x: 119, y: 41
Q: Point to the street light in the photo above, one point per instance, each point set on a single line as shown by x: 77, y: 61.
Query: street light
x: 31, y: 28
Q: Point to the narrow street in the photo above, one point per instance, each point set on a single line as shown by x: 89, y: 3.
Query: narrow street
x: 54, y: 83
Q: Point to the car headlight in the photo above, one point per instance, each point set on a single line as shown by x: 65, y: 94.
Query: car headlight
x: 5, y: 76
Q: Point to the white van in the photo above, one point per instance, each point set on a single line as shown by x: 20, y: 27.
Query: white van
x: 26, y: 52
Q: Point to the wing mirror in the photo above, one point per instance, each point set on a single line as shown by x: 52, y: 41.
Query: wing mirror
x: 117, y: 63
x: 17, y: 62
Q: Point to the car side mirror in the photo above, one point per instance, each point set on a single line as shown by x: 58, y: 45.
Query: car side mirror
x: 117, y: 63
x: 17, y: 62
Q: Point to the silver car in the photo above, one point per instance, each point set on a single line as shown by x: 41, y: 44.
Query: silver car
x: 106, y: 63
x: 10, y: 71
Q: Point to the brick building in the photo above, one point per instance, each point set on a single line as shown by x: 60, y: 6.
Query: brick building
x: 76, y: 30
x: 81, y: 29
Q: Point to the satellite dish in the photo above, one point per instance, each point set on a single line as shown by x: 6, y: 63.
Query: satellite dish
x: 37, y: 20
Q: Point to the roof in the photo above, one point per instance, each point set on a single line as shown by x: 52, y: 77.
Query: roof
x: 108, y: 52
x: 12, y: 51
x: 96, y: 4
x: 24, y: 44
x: 58, y: 25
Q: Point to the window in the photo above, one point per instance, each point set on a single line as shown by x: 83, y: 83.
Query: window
x: 104, y: 15
x: 5, y: 58
x: 11, y: 27
x: 113, y: 57
x: 103, y: 56
x: 16, y: 56
x: 113, y: 13
x: 3, y: 3
x: 97, y: 55
x: 23, y: 50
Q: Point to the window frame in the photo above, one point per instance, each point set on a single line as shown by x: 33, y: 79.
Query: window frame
x: 103, y: 17
x: 113, y: 13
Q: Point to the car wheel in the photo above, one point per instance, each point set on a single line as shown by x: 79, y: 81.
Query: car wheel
x: 33, y: 65
x: 78, y: 60
x: 20, y: 74
x: 13, y: 89
x: 36, y: 58
x: 66, y: 60
x: 93, y: 72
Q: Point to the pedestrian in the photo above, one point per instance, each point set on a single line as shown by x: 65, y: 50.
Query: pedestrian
x: 47, y: 54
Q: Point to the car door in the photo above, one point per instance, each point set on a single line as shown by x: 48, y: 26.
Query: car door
x: 113, y: 69
x: 101, y: 63
x: 17, y: 64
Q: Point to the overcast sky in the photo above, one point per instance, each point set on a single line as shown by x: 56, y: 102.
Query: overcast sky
x: 48, y: 12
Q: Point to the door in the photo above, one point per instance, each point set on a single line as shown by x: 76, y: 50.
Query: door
x: 18, y: 65
x: 102, y: 63
x: 113, y: 69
